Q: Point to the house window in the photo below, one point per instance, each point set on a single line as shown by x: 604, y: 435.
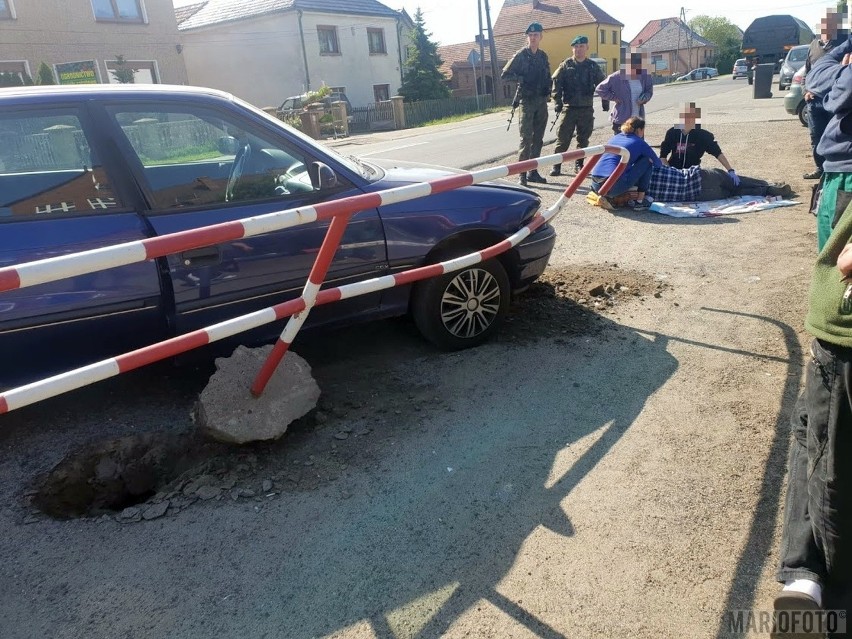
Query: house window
x: 603, y: 37
x: 14, y: 73
x: 376, y: 38
x: 132, y: 72
x: 118, y: 10
x: 615, y: 63
x: 6, y: 10
x: 614, y: 36
x: 381, y: 92
x: 328, y: 41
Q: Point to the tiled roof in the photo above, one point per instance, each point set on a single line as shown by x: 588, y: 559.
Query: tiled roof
x: 219, y: 11
x: 516, y: 15
x: 649, y: 30
x: 187, y: 11
x: 674, y: 35
x: 454, y: 56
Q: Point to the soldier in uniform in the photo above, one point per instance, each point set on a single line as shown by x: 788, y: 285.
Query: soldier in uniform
x: 530, y: 68
x: 574, y: 86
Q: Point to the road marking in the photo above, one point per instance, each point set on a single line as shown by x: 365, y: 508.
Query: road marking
x: 499, y: 126
x: 393, y: 148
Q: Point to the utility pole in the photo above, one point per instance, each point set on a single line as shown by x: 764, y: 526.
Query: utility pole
x: 688, y: 39
x: 492, y: 50
x: 481, y: 53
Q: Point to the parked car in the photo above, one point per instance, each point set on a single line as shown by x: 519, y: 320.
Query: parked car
x: 702, y: 73
x: 794, y: 101
x: 741, y: 68
x: 794, y: 61
x: 96, y: 165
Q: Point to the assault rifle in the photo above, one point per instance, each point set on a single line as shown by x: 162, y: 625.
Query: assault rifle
x: 515, y: 102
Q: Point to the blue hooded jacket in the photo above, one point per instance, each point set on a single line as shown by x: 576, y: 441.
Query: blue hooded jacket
x: 832, y: 80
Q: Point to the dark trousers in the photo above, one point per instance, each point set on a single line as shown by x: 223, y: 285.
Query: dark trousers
x: 818, y: 511
x: 716, y: 184
x: 532, y: 124
x: 580, y: 118
x: 818, y: 119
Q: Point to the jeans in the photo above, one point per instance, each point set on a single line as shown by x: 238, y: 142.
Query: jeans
x: 816, y: 543
x: 818, y: 119
x: 638, y: 175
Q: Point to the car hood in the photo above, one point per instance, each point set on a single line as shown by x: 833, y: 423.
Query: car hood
x: 401, y: 172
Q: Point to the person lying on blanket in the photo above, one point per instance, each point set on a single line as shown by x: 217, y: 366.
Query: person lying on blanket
x: 694, y: 184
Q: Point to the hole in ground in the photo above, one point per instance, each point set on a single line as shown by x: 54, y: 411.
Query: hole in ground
x: 111, y: 476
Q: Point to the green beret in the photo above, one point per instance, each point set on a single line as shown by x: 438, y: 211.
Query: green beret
x: 579, y: 40
x: 534, y: 27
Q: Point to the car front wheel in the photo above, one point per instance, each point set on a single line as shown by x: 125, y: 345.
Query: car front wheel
x: 464, y: 308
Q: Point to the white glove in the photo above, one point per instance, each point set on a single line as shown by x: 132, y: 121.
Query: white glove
x: 734, y: 177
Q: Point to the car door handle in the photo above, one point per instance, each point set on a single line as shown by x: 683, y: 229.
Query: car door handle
x: 206, y: 256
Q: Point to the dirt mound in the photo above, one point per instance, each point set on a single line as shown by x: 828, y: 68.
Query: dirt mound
x: 570, y: 301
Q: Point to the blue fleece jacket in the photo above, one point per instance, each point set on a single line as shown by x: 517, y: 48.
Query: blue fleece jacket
x: 833, y: 81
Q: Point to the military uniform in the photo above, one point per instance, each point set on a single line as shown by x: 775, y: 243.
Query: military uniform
x: 574, y: 87
x: 532, y: 72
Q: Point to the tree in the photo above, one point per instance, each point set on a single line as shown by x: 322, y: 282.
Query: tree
x: 724, y: 34
x: 44, y: 75
x: 422, y: 79
x: 122, y: 73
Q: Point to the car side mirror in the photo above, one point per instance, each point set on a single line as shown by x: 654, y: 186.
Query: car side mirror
x: 227, y: 145
x: 322, y: 176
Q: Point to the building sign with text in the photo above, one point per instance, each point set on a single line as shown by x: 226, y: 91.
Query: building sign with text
x: 77, y: 72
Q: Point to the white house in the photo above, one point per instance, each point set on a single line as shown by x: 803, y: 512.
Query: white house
x: 266, y: 50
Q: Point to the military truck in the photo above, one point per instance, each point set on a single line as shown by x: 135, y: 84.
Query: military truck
x: 768, y: 39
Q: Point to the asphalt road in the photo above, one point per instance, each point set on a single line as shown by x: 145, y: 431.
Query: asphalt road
x: 485, y: 139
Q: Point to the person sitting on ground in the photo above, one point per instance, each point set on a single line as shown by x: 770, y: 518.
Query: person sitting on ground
x: 686, y: 143
x: 637, y: 173
x: 694, y: 184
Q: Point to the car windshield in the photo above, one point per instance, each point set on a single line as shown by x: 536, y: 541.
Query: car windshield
x: 740, y: 62
x: 797, y: 55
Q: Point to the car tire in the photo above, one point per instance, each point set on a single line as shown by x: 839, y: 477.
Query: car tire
x: 463, y: 308
x: 802, y: 112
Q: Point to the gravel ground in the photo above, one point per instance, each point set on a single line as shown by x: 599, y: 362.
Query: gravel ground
x: 612, y: 465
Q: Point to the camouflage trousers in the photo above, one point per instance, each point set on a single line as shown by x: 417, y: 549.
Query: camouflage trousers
x: 532, y: 124
x: 581, y: 119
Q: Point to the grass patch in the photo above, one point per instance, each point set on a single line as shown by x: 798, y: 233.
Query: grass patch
x: 462, y: 117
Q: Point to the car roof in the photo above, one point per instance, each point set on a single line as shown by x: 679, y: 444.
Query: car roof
x: 50, y: 93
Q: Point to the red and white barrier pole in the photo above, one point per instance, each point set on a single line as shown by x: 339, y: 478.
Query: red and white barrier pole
x: 30, y: 393
x: 63, y: 266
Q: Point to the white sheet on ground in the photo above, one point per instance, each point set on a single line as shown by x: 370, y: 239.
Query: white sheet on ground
x: 714, y: 208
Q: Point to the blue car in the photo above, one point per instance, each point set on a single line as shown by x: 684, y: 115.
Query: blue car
x: 91, y: 166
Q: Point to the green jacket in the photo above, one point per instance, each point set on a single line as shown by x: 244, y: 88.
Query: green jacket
x: 574, y: 83
x: 830, y: 314
x: 531, y: 71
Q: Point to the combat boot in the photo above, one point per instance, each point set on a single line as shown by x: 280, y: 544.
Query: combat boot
x: 534, y: 176
x: 578, y: 164
x: 523, y: 178
x: 556, y: 170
